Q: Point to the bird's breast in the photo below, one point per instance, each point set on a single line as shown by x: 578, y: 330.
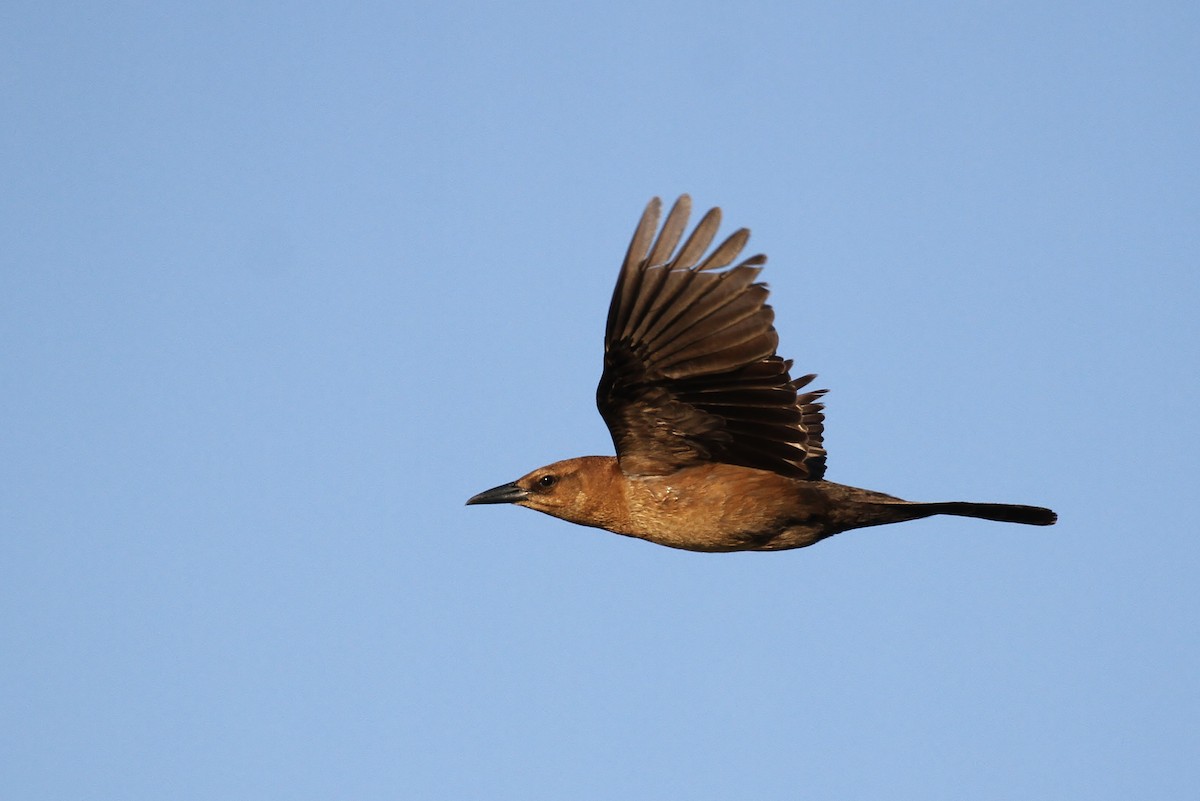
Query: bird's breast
x: 713, y: 507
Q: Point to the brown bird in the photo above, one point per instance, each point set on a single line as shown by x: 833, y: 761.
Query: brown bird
x: 718, y: 447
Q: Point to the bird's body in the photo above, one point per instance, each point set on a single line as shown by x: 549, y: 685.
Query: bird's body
x: 720, y: 507
x: 717, y: 448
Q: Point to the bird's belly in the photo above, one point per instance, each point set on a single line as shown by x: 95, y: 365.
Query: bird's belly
x: 717, y: 517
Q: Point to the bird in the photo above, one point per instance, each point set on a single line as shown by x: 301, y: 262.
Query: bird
x: 718, y: 448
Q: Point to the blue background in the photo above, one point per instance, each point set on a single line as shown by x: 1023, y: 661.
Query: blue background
x: 283, y: 284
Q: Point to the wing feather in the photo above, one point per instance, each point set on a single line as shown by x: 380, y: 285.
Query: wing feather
x: 690, y: 369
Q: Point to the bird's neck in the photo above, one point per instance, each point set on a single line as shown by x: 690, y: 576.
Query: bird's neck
x: 603, y: 500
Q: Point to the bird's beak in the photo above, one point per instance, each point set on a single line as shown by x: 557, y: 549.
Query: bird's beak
x: 505, y: 493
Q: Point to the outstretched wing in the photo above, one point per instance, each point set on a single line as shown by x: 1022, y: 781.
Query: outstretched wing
x: 690, y: 371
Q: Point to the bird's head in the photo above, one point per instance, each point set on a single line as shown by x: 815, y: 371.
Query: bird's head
x: 578, y: 490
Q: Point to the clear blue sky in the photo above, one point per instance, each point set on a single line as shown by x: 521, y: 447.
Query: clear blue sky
x: 283, y: 284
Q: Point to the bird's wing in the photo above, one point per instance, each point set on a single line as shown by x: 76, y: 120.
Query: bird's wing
x: 690, y: 371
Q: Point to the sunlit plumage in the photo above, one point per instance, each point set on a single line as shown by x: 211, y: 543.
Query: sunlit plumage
x: 718, y: 447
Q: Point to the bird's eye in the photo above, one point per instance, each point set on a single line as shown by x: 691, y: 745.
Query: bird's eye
x: 547, y: 481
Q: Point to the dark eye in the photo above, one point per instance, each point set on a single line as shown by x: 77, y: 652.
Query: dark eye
x: 547, y: 481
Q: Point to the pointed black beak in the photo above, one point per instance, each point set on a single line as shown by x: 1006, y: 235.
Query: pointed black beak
x: 505, y: 493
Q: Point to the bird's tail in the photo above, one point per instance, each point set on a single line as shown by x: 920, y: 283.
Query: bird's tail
x: 1003, y: 512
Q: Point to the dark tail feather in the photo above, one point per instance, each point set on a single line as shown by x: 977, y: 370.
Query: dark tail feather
x: 1003, y: 512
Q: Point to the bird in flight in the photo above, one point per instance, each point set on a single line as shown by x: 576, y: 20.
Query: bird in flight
x: 718, y: 447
